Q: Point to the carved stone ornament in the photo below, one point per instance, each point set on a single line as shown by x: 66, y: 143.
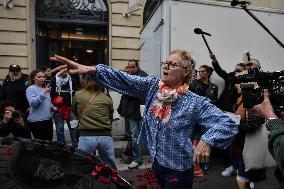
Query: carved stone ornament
x: 8, y: 4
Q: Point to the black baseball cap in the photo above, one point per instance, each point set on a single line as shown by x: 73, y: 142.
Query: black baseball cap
x: 14, y: 68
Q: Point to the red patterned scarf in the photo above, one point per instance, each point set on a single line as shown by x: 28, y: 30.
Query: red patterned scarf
x: 166, y: 96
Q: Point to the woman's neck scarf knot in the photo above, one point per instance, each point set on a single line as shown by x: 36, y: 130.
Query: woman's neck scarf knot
x: 166, y: 97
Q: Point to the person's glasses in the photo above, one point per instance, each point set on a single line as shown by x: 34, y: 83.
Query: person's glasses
x: 171, y: 65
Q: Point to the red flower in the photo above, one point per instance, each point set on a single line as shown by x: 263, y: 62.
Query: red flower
x: 108, y: 169
x: 115, y: 179
x: 114, y: 171
x: 104, y: 165
x: 104, y: 179
x: 94, y: 173
x: 148, y: 175
x: 98, y: 168
x: 9, y: 151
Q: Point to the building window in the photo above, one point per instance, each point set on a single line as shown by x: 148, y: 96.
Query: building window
x: 149, y: 9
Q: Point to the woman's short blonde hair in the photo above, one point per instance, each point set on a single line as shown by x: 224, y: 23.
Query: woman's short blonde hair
x: 187, y: 61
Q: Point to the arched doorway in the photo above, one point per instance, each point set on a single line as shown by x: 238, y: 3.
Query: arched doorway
x: 76, y: 29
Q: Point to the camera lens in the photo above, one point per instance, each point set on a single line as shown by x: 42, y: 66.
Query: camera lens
x: 16, y: 114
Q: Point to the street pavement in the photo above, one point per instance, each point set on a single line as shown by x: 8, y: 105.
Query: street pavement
x: 142, y: 176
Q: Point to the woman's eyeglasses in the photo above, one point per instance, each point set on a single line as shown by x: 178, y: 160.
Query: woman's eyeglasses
x: 202, y: 71
x: 171, y: 65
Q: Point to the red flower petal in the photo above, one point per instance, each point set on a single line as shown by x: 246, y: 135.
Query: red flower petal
x: 115, y: 179
x: 104, y: 165
x: 9, y: 151
x: 104, y: 179
x: 94, y: 173
x: 98, y: 168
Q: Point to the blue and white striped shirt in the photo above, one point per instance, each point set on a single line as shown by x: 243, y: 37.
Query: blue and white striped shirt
x: 170, y: 142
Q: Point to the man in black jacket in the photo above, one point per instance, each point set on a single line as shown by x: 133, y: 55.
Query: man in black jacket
x: 229, y: 96
x: 12, y: 122
x: 14, y: 88
x: 129, y: 108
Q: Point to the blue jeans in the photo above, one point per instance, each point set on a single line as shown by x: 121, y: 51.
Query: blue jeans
x: 104, y: 145
x: 136, y: 148
x: 59, y: 124
x: 172, y: 179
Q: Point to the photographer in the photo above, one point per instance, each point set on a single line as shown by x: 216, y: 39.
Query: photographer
x: 12, y: 122
x: 229, y: 95
x: 249, y: 125
x: 276, y: 136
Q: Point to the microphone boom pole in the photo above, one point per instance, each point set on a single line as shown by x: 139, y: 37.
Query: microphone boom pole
x: 205, y: 41
x: 244, y: 6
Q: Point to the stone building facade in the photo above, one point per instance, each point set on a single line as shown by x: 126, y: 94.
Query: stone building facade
x: 18, y: 30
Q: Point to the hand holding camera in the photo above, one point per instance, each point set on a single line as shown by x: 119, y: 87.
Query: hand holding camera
x: 265, y: 109
x: 7, y: 116
x: 16, y: 116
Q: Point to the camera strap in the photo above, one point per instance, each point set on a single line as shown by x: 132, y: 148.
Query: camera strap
x: 82, y: 110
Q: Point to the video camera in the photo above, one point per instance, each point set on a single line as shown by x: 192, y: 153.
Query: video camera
x: 273, y: 81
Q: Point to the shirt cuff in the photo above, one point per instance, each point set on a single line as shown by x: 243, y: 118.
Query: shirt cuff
x: 274, y: 124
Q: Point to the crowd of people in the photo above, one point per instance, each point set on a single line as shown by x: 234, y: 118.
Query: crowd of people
x: 182, y: 120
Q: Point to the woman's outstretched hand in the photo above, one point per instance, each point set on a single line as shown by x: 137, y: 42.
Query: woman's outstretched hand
x: 71, y: 66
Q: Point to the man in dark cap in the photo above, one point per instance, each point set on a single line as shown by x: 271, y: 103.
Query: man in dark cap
x: 14, y: 88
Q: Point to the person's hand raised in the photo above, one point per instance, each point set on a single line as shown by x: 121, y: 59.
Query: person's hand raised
x: 213, y: 57
x: 71, y: 66
x: 7, y: 116
x: 47, y: 89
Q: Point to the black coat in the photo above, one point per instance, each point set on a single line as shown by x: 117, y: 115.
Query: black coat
x: 130, y: 106
x: 229, y: 96
x: 211, y: 92
x: 15, y: 91
x: 14, y: 128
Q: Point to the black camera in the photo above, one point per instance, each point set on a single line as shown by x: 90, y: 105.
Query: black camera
x: 16, y: 114
x: 273, y: 81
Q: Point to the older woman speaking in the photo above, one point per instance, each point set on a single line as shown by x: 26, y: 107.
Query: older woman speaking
x: 171, y: 112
